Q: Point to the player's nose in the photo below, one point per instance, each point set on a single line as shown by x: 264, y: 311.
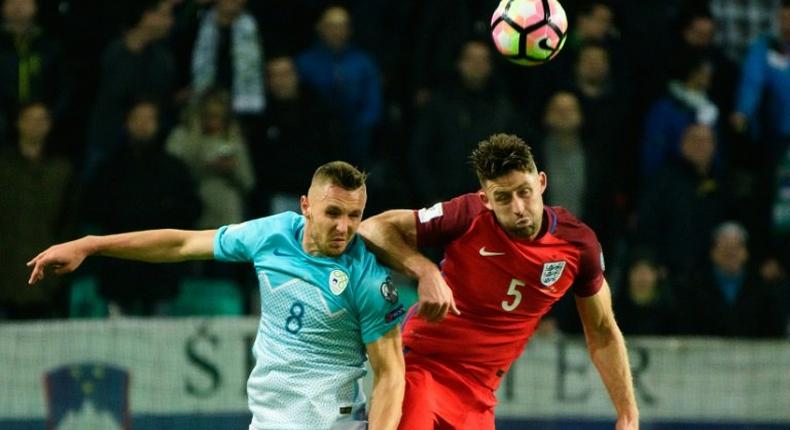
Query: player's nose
x: 519, y: 206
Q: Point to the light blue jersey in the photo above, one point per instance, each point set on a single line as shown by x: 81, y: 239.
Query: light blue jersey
x: 317, y: 314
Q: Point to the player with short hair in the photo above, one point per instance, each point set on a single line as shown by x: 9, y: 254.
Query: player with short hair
x: 325, y: 299
x: 508, y: 259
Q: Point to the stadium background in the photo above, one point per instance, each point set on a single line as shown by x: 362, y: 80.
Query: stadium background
x: 651, y: 124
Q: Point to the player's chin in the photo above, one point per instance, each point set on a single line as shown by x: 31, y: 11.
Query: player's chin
x: 336, y: 247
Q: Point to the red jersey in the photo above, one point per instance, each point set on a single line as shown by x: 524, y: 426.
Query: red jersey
x: 502, y: 285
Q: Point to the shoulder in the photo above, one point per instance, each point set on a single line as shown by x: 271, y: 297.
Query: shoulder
x: 564, y: 225
x: 359, y: 255
x: 280, y: 223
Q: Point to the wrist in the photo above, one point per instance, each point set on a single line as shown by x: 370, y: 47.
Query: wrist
x: 422, y: 267
x: 90, y: 245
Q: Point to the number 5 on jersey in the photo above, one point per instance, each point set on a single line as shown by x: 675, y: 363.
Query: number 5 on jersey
x: 515, y: 293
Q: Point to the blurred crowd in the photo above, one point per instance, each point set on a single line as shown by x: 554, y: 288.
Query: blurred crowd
x: 663, y: 124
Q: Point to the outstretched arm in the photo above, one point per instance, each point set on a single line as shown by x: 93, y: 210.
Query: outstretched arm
x: 154, y: 246
x: 386, y: 360
x: 392, y: 236
x: 608, y: 352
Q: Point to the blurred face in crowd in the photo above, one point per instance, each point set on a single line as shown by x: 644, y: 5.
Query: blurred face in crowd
x: 699, y: 32
x: 698, y: 145
x: 19, y: 12
x: 230, y: 9
x: 332, y: 217
x: 517, y: 201
x: 642, y: 282
x: 158, y: 21
x: 474, y: 65
x: 784, y: 23
x: 214, y: 116
x: 34, y: 125
x: 563, y: 113
x: 283, y: 79
x: 592, y: 66
x: 597, y: 24
x: 334, y: 27
x: 142, y: 122
x: 729, y: 253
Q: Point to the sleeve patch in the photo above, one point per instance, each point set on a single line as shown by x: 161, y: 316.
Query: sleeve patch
x: 427, y: 214
x: 394, y: 314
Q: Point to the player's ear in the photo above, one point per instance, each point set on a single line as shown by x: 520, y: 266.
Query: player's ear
x: 304, y: 204
x: 543, y: 180
x: 485, y: 199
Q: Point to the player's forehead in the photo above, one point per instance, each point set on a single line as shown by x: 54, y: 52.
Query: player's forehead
x: 512, y: 181
x: 330, y: 195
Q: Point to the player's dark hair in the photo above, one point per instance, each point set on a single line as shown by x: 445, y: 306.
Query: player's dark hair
x: 341, y: 174
x: 501, y: 154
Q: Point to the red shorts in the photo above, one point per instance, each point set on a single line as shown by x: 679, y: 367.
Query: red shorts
x: 439, y: 397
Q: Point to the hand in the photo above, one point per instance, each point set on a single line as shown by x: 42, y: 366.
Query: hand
x: 63, y: 258
x: 436, y: 298
x: 627, y: 423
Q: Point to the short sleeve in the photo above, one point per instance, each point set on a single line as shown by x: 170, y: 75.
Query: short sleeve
x: 446, y: 221
x: 378, y: 303
x: 240, y: 242
x: 591, y: 266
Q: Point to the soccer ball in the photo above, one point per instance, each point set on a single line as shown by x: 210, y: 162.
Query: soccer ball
x: 529, y: 32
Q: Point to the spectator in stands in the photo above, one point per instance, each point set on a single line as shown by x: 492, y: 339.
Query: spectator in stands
x: 727, y: 297
x: 135, y: 65
x: 34, y: 197
x: 762, y: 117
x: 562, y: 152
x: 682, y: 204
x: 295, y: 122
x: 142, y: 187
x: 740, y: 22
x: 697, y: 31
x: 606, y: 131
x: 644, y: 305
x: 442, y: 29
x: 766, y: 72
x: 454, y: 121
x: 594, y: 23
x: 347, y: 79
x: 686, y: 102
x: 228, y: 54
x: 31, y: 64
x: 210, y: 143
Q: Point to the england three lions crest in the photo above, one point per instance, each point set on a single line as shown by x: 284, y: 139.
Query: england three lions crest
x: 552, y: 271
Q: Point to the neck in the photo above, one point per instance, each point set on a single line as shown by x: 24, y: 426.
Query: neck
x: 225, y: 19
x: 32, y: 150
x: 19, y: 28
x: 136, y: 40
x: 590, y: 88
x: 643, y: 296
x: 566, y: 138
